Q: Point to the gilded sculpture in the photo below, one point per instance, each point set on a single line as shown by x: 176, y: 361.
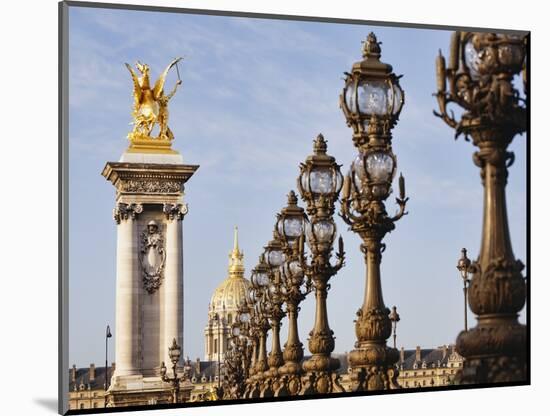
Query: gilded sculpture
x: 151, y: 108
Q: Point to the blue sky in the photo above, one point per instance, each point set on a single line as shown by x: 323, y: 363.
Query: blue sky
x: 255, y: 94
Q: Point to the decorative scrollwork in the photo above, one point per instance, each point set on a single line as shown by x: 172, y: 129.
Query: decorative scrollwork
x: 175, y: 211
x: 321, y: 341
x: 293, y: 352
x: 374, y: 324
x: 151, y: 186
x: 123, y: 211
x: 500, y: 288
x: 375, y: 377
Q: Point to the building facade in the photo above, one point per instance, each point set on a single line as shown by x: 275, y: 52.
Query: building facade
x: 418, y: 368
x: 224, y: 306
x: 87, y: 387
x: 428, y: 367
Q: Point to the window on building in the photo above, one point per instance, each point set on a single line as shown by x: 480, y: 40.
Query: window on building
x: 95, y: 405
x: 81, y: 395
x: 414, y: 373
x: 82, y: 405
x: 215, y: 346
x: 229, y: 319
x: 423, y: 382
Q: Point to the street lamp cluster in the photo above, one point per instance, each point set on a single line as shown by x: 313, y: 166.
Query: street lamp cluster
x: 299, y: 258
x: 282, y: 279
x: 480, y: 74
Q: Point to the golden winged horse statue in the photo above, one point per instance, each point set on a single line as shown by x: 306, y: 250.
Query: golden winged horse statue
x: 151, y: 104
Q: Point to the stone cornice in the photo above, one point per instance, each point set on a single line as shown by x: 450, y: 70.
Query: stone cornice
x: 148, y: 178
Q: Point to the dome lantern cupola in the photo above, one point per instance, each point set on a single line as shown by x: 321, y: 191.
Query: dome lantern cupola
x: 225, y: 302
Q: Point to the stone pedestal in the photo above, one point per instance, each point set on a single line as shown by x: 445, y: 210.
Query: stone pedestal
x: 141, y: 391
x: 149, y: 211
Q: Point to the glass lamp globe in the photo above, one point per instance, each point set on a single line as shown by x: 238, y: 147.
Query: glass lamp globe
x: 359, y: 173
x: 174, y: 352
x: 273, y: 254
x: 368, y: 97
x: 236, y: 331
x: 374, y: 171
x: 490, y: 53
x: 322, y: 231
x: 244, y: 317
x: 275, y: 257
x: 252, y: 295
x: 290, y: 222
x: 379, y: 166
x: 322, y: 180
x: 262, y: 279
x: 291, y: 227
x: 295, y: 268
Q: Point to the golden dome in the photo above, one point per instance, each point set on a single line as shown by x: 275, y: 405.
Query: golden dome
x: 231, y: 293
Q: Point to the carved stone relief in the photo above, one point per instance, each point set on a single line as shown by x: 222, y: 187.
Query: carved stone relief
x: 151, y: 186
x: 152, y: 257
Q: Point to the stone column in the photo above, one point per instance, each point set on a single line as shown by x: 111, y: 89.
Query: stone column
x: 149, y: 303
x: 128, y: 286
x: 173, y: 277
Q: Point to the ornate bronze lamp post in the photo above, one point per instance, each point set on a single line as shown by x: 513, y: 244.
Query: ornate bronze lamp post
x: 480, y: 74
x: 107, y: 380
x: 220, y: 321
x: 234, y: 362
x: 242, y: 340
x: 371, y: 101
x: 254, y: 342
x: 290, y: 228
x: 394, y: 318
x: 260, y: 281
x: 273, y: 254
x: 174, y: 352
x: 243, y: 321
x: 463, y: 267
x: 319, y: 184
